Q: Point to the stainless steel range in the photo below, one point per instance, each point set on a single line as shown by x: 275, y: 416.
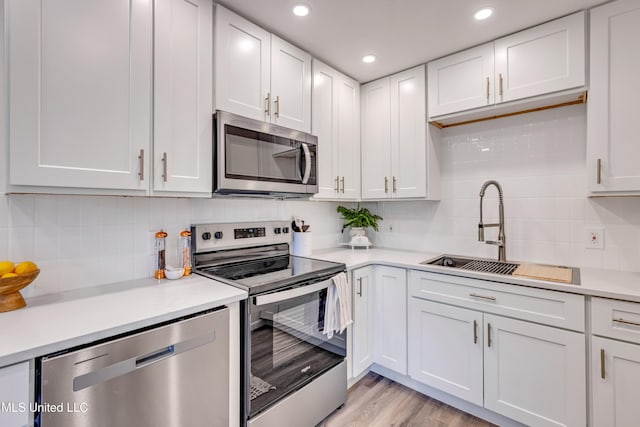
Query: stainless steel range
x: 293, y: 374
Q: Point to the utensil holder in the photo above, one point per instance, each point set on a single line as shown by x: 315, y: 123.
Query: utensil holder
x: 302, y: 244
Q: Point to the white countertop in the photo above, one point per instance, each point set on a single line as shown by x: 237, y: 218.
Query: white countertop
x: 52, y: 323
x: 594, y: 282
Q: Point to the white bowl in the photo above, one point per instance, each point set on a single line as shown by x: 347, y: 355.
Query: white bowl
x: 173, y: 273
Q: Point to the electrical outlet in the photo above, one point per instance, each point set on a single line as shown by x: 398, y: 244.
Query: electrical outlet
x: 594, y: 237
x: 389, y: 228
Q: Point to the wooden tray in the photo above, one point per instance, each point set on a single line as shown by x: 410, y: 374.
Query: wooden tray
x: 545, y: 272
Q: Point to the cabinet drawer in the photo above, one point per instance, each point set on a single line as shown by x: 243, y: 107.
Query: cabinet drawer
x: 615, y: 319
x: 559, y: 309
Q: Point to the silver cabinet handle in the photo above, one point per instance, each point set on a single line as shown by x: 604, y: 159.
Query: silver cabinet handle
x: 626, y: 322
x: 337, y: 184
x: 602, y: 366
x: 386, y: 185
x: 342, y: 184
x: 164, y: 167
x: 599, y: 171
x: 267, y: 104
x: 501, y: 92
x: 475, y: 332
x: 277, y: 104
x: 359, y: 286
x: 141, y: 165
x: 482, y: 297
x: 394, y: 185
x: 487, y: 89
x: 488, y: 334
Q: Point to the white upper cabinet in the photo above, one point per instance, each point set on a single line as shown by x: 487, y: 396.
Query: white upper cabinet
x: 539, y: 61
x: 461, y: 81
x: 336, y: 123
x: 290, y: 85
x: 242, y: 66
x: 259, y: 75
x: 80, y: 79
x: 376, y: 139
x: 612, y: 148
x: 544, y: 59
x: 183, y: 101
x: 396, y: 154
x: 408, y: 134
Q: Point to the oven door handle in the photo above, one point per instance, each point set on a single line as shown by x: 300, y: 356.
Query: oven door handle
x: 291, y: 293
x: 307, y: 162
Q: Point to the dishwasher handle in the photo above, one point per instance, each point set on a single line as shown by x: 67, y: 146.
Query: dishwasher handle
x: 155, y: 356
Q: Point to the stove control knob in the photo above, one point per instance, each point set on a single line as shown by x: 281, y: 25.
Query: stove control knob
x: 218, y: 235
x: 285, y: 230
x: 206, y: 236
x: 277, y: 230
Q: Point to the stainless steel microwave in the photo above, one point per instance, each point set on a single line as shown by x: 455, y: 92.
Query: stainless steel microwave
x: 262, y: 159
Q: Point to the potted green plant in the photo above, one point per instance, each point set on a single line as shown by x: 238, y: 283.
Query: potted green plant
x: 358, y: 219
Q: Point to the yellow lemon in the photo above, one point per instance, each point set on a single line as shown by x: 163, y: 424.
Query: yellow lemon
x: 7, y: 275
x: 25, y: 267
x: 6, y: 267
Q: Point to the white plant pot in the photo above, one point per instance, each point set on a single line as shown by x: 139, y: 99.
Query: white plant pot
x: 357, y: 231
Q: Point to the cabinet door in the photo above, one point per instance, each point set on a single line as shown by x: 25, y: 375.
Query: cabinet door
x: 615, y: 375
x: 324, y: 125
x: 376, y: 167
x: 362, y: 337
x: 534, y: 374
x: 445, y: 348
x: 14, y: 391
x: 80, y: 90
x: 348, y: 142
x: 183, y: 101
x: 390, y: 321
x: 242, y: 66
x: 543, y: 59
x: 461, y: 81
x: 290, y: 85
x: 612, y: 150
x: 408, y: 134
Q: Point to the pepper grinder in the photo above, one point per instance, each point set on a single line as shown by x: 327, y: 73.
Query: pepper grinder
x: 185, y: 236
x: 161, y: 261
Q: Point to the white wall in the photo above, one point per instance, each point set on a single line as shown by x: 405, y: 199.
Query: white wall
x: 539, y: 159
x: 81, y: 241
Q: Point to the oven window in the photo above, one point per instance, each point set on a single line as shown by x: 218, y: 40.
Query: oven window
x: 262, y: 157
x: 288, y: 348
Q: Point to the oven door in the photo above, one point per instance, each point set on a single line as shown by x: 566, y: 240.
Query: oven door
x: 288, y: 348
x: 260, y: 158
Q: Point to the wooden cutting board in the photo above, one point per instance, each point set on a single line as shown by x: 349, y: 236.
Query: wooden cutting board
x: 544, y: 272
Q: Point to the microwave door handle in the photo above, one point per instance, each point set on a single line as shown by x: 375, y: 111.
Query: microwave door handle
x: 291, y: 293
x: 307, y: 162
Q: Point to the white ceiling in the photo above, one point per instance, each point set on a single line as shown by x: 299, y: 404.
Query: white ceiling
x: 401, y: 33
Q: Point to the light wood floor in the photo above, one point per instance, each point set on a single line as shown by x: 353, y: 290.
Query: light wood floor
x: 378, y: 401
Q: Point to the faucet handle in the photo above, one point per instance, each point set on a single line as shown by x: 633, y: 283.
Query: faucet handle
x: 495, y: 242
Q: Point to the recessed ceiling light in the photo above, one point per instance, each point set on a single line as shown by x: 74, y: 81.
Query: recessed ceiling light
x: 483, y: 13
x: 301, y: 9
x: 368, y: 58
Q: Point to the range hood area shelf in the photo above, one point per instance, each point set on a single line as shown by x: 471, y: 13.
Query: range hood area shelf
x: 514, y: 108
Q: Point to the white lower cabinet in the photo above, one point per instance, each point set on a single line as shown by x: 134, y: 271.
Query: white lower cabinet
x: 529, y: 372
x: 390, y: 320
x: 14, y: 395
x: 445, y: 348
x: 362, y: 333
x: 615, y: 374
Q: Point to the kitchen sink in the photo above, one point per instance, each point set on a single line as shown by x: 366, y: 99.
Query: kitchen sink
x: 488, y: 266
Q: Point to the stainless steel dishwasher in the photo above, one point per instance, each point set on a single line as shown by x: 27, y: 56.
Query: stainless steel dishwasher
x: 176, y: 374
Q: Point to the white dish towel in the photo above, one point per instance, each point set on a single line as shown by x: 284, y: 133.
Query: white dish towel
x: 337, y: 314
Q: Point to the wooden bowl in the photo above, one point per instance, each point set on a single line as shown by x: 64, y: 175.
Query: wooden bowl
x: 10, y: 297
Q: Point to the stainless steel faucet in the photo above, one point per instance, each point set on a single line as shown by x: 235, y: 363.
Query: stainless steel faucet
x: 501, y: 242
